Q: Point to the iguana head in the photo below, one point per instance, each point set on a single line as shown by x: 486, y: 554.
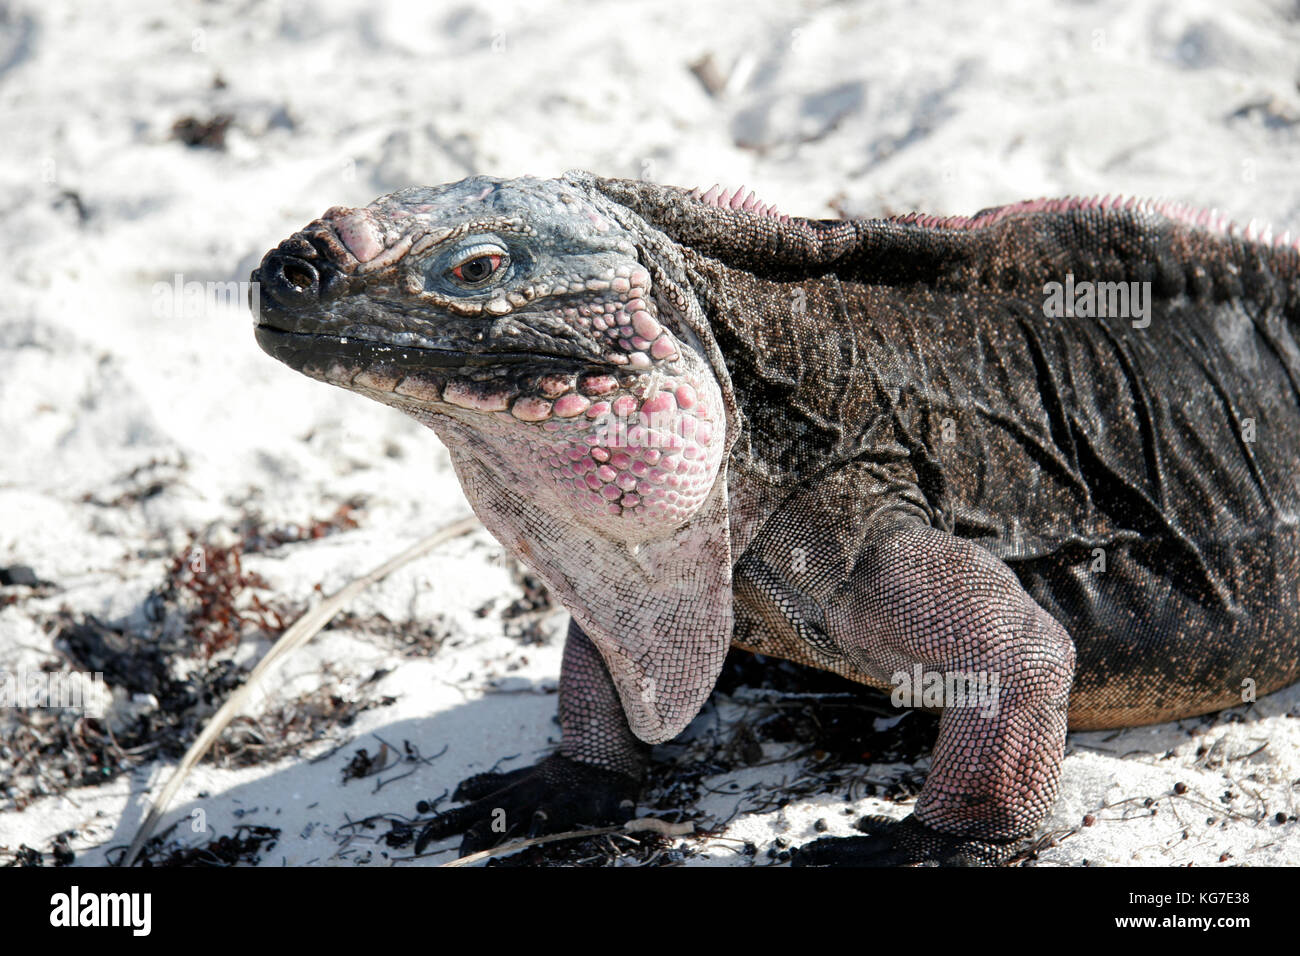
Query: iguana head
x: 550, y: 337
x: 514, y: 315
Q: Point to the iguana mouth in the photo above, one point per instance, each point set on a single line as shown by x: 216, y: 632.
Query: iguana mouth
x: 297, y: 349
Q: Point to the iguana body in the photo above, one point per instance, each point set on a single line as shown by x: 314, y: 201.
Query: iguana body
x: 861, y: 445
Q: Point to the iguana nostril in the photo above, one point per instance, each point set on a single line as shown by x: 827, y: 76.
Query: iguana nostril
x: 289, y: 281
x: 299, y: 277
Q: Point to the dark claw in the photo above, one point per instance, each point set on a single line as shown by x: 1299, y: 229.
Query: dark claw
x: 906, y: 842
x: 482, y: 784
x: 556, y: 795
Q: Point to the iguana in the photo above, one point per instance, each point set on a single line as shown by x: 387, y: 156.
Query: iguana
x: 1056, y: 443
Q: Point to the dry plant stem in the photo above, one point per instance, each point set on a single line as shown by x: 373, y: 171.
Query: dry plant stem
x: 295, y: 637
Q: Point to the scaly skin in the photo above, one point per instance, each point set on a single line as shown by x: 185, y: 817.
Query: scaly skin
x: 860, y: 445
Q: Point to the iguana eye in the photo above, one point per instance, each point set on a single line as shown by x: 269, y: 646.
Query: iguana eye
x: 478, y: 266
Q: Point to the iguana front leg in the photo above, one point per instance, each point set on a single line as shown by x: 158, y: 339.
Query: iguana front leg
x: 918, y: 595
x: 593, y: 779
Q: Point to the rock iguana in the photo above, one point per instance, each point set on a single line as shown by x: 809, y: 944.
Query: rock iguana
x: 1056, y: 444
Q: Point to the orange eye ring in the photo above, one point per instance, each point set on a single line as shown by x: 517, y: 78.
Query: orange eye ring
x: 481, y: 268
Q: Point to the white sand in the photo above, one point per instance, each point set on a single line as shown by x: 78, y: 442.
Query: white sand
x: 873, y: 107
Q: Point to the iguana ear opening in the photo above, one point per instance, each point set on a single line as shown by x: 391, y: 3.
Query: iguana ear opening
x: 659, y: 612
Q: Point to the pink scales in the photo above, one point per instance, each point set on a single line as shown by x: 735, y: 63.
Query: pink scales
x: 717, y: 196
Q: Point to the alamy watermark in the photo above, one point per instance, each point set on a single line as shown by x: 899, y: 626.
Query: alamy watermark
x: 74, y: 908
x: 943, y: 689
x: 72, y: 690
x: 1086, y: 299
x: 179, y: 299
x: 663, y: 430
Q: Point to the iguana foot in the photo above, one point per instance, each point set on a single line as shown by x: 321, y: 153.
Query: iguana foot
x: 555, y: 795
x: 906, y: 842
